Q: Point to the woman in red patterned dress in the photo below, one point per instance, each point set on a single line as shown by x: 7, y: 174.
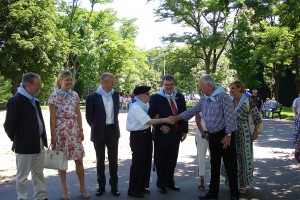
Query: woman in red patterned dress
x: 66, y: 128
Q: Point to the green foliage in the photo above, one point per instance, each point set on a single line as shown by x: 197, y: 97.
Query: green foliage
x: 210, y: 26
x: 30, y: 40
x: 5, y: 92
x: 241, y: 56
x: 287, y: 89
x: 287, y: 113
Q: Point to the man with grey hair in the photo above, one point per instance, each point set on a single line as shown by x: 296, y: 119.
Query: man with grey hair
x: 102, y: 110
x: 25, y: 126
x: 220, y: 120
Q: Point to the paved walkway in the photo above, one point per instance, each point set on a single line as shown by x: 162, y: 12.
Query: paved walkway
x: 277, y: 174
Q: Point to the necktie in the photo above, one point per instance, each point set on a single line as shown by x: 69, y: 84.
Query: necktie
x: 175, y: 112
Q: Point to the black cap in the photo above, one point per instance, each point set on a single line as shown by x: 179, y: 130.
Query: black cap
x: 141, y: 90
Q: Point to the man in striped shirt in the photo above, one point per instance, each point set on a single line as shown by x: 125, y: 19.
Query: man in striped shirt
x: 218, y: 113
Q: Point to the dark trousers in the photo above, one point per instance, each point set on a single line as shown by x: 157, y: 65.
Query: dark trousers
x: 165, y: 158
x: 229, y: 159
x: 111, y: 141
x: 140, y: 170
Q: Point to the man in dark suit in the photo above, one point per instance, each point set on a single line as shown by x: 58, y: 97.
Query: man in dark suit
x: 167, y: 102
x: 102, y: 110
x: 24, y: 125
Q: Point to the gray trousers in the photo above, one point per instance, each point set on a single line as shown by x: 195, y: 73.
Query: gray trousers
x: 33, y: 163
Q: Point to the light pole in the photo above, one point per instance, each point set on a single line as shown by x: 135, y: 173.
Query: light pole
x: 165, y: 50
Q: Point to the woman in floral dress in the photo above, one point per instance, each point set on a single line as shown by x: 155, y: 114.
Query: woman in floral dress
x: 66, y: 128
x: 244, y: 139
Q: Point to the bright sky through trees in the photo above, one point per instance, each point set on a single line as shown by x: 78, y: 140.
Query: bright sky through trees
x: 150, y: 31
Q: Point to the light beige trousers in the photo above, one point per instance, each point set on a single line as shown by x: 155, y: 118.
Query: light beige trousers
x: 33, y: 163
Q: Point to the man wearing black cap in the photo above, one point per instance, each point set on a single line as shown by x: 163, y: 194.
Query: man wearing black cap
x: 138, y: 123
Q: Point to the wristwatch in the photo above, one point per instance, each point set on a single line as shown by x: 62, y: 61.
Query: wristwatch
x: 229, y: 134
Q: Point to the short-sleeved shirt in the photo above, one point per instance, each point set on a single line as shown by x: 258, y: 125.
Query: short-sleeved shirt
x: 137, y: 119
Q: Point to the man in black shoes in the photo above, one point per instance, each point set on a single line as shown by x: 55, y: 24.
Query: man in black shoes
x: 167, y: 102
x: 102, y: 110
x: 220, y: 120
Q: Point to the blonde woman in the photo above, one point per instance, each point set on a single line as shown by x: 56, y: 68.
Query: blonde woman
x: 66, y: 128
x: 244, y: 107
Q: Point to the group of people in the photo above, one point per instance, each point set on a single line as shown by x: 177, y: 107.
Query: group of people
x: 222, y: 122
x: 269, y: 106
x: 125, y: 100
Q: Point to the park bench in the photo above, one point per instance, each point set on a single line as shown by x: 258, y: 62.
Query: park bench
x: 277, y: 110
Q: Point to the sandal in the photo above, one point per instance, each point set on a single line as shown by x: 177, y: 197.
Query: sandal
x: 201, y: 186
x: 243, y: 189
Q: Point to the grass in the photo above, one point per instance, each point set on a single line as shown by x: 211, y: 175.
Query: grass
x: 286, y: 113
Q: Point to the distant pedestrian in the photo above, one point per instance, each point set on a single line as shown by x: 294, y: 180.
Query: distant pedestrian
x: 24, y: 125
x: 247, y: 93
x: 257, y: 99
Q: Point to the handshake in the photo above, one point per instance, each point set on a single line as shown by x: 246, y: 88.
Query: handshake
x: 171, y: 119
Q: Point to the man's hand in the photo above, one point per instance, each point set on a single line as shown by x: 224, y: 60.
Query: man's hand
x: 165, y: 129
x: 183, y: 136
x: 226, y: 141
x: 170, y: 120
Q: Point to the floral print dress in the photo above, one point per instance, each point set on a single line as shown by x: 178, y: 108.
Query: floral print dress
x: 66, y: 125
x: 244, y: 143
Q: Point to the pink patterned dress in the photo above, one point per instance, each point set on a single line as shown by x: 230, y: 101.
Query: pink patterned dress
x: 66, y: 125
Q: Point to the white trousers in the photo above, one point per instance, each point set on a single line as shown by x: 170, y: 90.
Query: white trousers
x: 33, y: 163
x: 202, y: 147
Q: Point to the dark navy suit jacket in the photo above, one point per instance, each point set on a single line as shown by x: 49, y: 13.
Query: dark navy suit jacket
x: 160, y: 105
x: 22, y: 127
x: 96, y: 116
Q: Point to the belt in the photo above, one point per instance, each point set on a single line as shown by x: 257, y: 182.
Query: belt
x: 220, y: 131
x: 109, y: 125
x: 141, y: 131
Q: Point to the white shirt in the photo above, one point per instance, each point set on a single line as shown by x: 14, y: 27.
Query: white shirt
x: 296, y: 104
x: 109, y: 109
x: 137, y: 119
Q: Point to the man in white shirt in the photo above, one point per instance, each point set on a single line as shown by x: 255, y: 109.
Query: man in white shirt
x: 138, y: 123
x: 102, y: 110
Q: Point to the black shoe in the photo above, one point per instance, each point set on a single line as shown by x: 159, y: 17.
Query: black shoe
x: 135, y: 194
x: 209, y: 195
x: 174, y: 188
x: 162, y: 190
x: 145, y: 191
x: 115, y: 192
x: 100, y: 191
x: 235, y: 197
